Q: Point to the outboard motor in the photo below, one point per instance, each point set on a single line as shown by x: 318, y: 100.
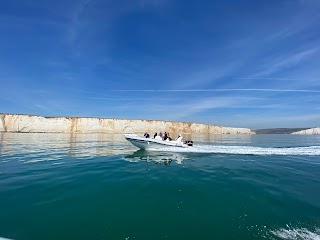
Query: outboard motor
x: 189, y: 143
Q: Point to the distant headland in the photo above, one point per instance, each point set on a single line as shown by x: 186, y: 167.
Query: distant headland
x: 296, y: 131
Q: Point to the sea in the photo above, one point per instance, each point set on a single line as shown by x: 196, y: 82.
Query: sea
x: 99, y: 186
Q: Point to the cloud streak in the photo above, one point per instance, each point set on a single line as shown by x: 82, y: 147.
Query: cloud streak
x: 219, y: 90
x: 274, y: 78
x: 75, y: 22
x: 285, y: 62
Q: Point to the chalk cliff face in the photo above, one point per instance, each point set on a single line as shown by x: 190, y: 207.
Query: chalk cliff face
x: 30, y: 123
x: 311, y: 131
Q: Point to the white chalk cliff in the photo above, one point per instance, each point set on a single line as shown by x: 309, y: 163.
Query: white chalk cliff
x: 37, y: 124
x: 311, y: 131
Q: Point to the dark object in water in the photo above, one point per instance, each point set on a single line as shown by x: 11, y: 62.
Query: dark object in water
x: 189, y: 143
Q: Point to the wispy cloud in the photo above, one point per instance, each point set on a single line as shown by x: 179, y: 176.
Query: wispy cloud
x: 275, y: 78
x: 76, y: 21
x: 280, y: 120
x: 285, y: 62
x: 207, y: 76
x: 178, y: 110
x: 189, y: 109
x: 306, y: 16
x: 220, y: 90
x: 152, y: 3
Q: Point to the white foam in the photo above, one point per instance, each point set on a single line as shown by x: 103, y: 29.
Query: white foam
x: 247, y: 150
x: 297, y: 234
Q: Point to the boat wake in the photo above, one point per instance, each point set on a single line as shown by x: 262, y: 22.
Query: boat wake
x: 297, y: 233
x: 246, y: 150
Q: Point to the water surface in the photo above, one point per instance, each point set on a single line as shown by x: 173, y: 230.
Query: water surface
x: 98, y: 186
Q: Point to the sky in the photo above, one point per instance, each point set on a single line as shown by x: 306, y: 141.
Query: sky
x: 248, y: 63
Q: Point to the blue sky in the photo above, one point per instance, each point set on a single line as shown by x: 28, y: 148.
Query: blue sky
x: 246, y: 63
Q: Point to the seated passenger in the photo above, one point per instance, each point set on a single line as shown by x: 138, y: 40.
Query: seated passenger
x: 146, y: 135
x: 160, y: 135
x: 169, y: 137
x: 165, y: 137
x: 156, y: 134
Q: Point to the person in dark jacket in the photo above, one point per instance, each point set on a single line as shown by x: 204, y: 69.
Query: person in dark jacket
x: 156, y: 134
x: 165, y: 136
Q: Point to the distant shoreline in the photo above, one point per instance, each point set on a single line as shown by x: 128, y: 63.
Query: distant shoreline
x: 279, y: 130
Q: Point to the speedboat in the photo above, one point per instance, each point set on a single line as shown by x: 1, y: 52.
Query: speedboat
x: 156, y: 143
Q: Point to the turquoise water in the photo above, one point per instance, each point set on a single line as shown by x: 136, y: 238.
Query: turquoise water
x: 98, y: 186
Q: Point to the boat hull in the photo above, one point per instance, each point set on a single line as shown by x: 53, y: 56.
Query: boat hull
x: 152, y: 144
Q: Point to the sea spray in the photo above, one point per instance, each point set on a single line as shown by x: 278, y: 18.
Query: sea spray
x: 290, y: 233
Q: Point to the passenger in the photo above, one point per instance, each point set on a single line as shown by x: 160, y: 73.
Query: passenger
x: 156, y: 134
x: 146, y: 135
x: 165, y: 136
x: 160, y: 134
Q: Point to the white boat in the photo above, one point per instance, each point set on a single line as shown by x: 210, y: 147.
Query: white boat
x: 156, y: 143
